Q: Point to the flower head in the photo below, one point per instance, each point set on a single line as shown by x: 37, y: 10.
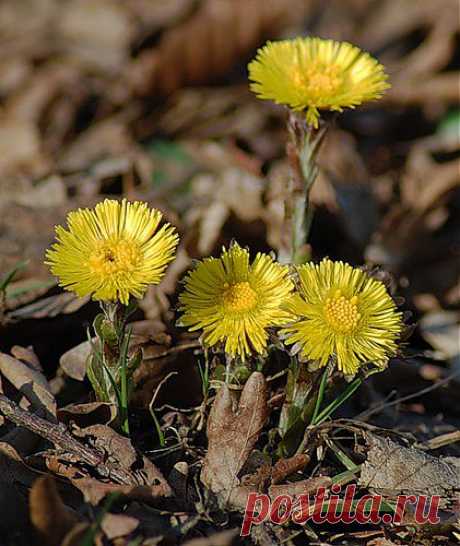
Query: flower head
x: 343, y: 313
x: 234, y: 301
x: 312, y: 74
x: 112, y: 251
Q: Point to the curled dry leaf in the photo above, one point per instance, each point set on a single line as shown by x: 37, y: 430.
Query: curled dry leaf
x: 31, y: 384
x: 50, y: 517
x: 20, y: 148
x: 13, y: 73
x: 393, y: 468
x: 391, y: 19
x: 178, y: 478
x: 381, y: 542
x: 232, y: 434
x: 207, y: 44
x: 97, y: 34
x: 344, y: 185
x: 147, y: 334
x: 94, y: 490
x: 416, y: 194
x: 73, y: 362
x: 156, y: 15
x: 417, y: 77
x: 108, y: 138
x: 49, y: 192
x: 37, y: 229
x: 85, y: 415
x: 64, y: 303
x: 156, y: 303
x: 76, y: 535
x: 442, y: 330
x: 146, y: 481
x: 118, y: 525
x: 217, y: 196
x: 36, y: 104
x: 417, y: 228
x: 209, y: 113
x: 27, y: 355
x: 20, y: 293
x: 16, y: 478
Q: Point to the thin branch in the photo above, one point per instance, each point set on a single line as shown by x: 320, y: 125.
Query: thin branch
x: 62, y: 439
x: 371, y: 411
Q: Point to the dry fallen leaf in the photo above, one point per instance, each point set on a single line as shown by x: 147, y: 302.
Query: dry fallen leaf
x: 95, y: 34
x: 442, y: 330
x: 146, y: 481
x: 85, y: 415
x: 20, y: 148
x: 51, y: 306
x: 49, y: 515
x: 217, y: 196
x: 118, y: 525
x: 394, y: 468
x: 76, y: 535
x: 232, y: 434
x: 207, y: 44
x: 16, y: 478
x: 73, y: 362
x: 31, y: 384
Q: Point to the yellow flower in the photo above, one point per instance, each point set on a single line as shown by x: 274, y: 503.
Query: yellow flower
x: 345, y: 314
x: 312, y: 74
x: 113, y: 251
x: 234, y: 302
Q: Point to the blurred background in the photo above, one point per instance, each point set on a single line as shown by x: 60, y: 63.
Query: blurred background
x: 149, y: 99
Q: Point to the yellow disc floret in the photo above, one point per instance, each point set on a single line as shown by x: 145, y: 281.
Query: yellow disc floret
x: 239, y: 297
x: 234, y: 301
x: 342, y: 314
x: 115, y: 257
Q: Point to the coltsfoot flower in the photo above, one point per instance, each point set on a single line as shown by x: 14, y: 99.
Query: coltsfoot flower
x: 344, y: 314
x: 313, y: 74
x: 112, y: 251
x: 234, y: 301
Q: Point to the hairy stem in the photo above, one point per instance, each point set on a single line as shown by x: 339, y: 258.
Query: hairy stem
x: 302, y: 151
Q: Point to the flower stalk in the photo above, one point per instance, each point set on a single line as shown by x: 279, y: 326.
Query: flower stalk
x: 302, y: 151
x: 297, y: 406
x: 111, y: 366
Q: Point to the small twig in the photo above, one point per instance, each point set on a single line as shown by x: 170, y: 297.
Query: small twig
x: 440, y: 441
x: 62, y: 439
x: 371, y: 411
x: 175, y: 349
x: 276, y: 375
x: 58, y: 435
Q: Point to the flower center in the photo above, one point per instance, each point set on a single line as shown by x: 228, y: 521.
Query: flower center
x: 113, y: 257
x: 319, y: 80
x: 239, y: 297
x: 342, y: 313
